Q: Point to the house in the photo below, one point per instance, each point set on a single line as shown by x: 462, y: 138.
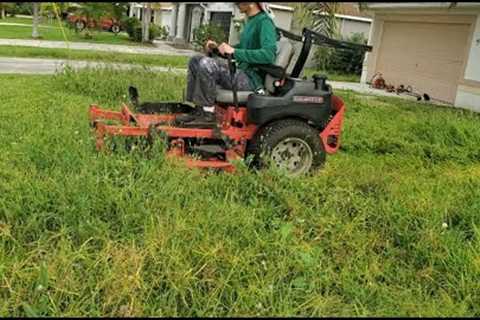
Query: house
x: 182, y: 18
x: 432, y: 46
x: 189, y: 15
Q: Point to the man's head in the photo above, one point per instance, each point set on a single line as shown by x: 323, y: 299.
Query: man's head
x: 252, y: 8
x: 248, y: 8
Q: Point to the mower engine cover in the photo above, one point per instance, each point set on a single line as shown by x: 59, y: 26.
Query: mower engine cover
x: 310, y: 100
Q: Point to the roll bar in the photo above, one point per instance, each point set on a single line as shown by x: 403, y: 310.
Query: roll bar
x: 310, y: 37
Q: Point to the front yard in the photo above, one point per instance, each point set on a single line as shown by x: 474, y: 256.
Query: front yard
x: 53, y: 31
x: 389, y: 227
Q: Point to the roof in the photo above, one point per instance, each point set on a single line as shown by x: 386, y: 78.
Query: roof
x: 417, y: 5
x: 348, y: 17
x: 280, y: 7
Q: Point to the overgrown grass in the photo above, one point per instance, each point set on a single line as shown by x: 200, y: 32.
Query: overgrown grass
x: 113, y: 57
x: 388, y: 227
x: 54, y: 33
x: 334, y: 76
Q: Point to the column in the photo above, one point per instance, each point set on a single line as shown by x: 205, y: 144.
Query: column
x: 363, y: 77
x: 182, y: 10
x: 173, y: 21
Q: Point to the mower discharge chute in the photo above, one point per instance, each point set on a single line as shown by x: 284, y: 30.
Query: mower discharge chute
x: 295, y: 122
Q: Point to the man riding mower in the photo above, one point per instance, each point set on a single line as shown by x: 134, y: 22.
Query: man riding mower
x: 290, y: 122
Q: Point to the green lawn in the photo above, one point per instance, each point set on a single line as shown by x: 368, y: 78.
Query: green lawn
x: 334, y: 76
x: 113, y: 57
x: 44, y: 21
x: 55, y: 34
x: 389, y: 227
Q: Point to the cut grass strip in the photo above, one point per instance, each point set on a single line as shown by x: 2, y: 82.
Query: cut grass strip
x: 334, y: 76
x: 100, y: 56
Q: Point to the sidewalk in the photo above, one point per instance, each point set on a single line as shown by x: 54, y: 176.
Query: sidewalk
x: 159, y: 47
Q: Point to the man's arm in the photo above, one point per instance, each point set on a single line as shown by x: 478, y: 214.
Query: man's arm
x: 268, y: 43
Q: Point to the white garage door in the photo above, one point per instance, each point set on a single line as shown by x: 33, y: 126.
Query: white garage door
x: 427, y: 56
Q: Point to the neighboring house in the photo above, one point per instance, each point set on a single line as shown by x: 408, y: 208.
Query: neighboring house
x: 432, y: 46
x: 182, y: 18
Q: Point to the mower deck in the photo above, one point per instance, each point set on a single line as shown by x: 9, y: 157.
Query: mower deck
x: 231, y: 131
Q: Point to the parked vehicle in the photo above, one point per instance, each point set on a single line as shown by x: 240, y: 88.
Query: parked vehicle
x: 105, y: 23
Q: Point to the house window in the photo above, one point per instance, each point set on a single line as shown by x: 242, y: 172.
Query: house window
x: 223, y: 19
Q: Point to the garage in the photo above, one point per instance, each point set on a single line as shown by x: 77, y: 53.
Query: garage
x: 428, y: 56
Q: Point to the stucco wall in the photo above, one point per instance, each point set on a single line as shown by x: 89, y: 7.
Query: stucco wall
x: 472, y: 72
x: 468, y: 97
x: 162, y: 17
x: 283, y: 19
x: 348, y: 27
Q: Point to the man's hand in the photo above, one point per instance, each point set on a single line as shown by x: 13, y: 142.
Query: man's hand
x: 225, y: 48
x: 210, y: 45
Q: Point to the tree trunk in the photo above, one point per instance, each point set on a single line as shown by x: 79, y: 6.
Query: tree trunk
x: 146, y: 21
x: 2, y: 13
x: 35, y: 34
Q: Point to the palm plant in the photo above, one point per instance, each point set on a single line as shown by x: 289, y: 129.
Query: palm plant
x: 319, y: 16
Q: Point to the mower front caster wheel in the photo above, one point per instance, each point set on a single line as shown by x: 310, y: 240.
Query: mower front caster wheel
x: 291, y: 145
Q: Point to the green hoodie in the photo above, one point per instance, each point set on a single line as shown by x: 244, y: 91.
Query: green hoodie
x: 258, y: 45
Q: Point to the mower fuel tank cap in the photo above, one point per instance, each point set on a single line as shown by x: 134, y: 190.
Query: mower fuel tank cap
x: 319, y: 81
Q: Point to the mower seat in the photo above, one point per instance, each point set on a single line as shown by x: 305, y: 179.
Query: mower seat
x: 284, y: 55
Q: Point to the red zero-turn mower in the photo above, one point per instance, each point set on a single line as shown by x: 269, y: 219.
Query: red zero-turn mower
x: 294, y: 123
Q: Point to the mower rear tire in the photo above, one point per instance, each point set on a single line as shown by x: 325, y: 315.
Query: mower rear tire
x: 290, y: 144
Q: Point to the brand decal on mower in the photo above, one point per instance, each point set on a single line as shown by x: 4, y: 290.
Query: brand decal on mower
x: 306, y: 99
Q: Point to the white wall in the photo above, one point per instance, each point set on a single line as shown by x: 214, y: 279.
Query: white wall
x: 348, y: 27
x: 220, y: 6
x: 283, y: 18
x: 472, y: 71
x: 468, y: 98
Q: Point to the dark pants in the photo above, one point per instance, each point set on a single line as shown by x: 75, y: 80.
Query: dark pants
x: 205, y: 73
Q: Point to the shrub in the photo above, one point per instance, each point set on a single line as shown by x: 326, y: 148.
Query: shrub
x: 133, y: 27
x: 208, y: 31
x: 343, y: 61
x: 163, y: 32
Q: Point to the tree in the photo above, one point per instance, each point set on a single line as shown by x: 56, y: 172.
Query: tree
x: 119, y: 10
x: 3, y: 8
x: 36, y: 17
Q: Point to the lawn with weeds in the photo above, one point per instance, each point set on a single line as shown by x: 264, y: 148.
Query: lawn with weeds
x: 334, y: 76
x: 99, y: 56
x: 390, y: 226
